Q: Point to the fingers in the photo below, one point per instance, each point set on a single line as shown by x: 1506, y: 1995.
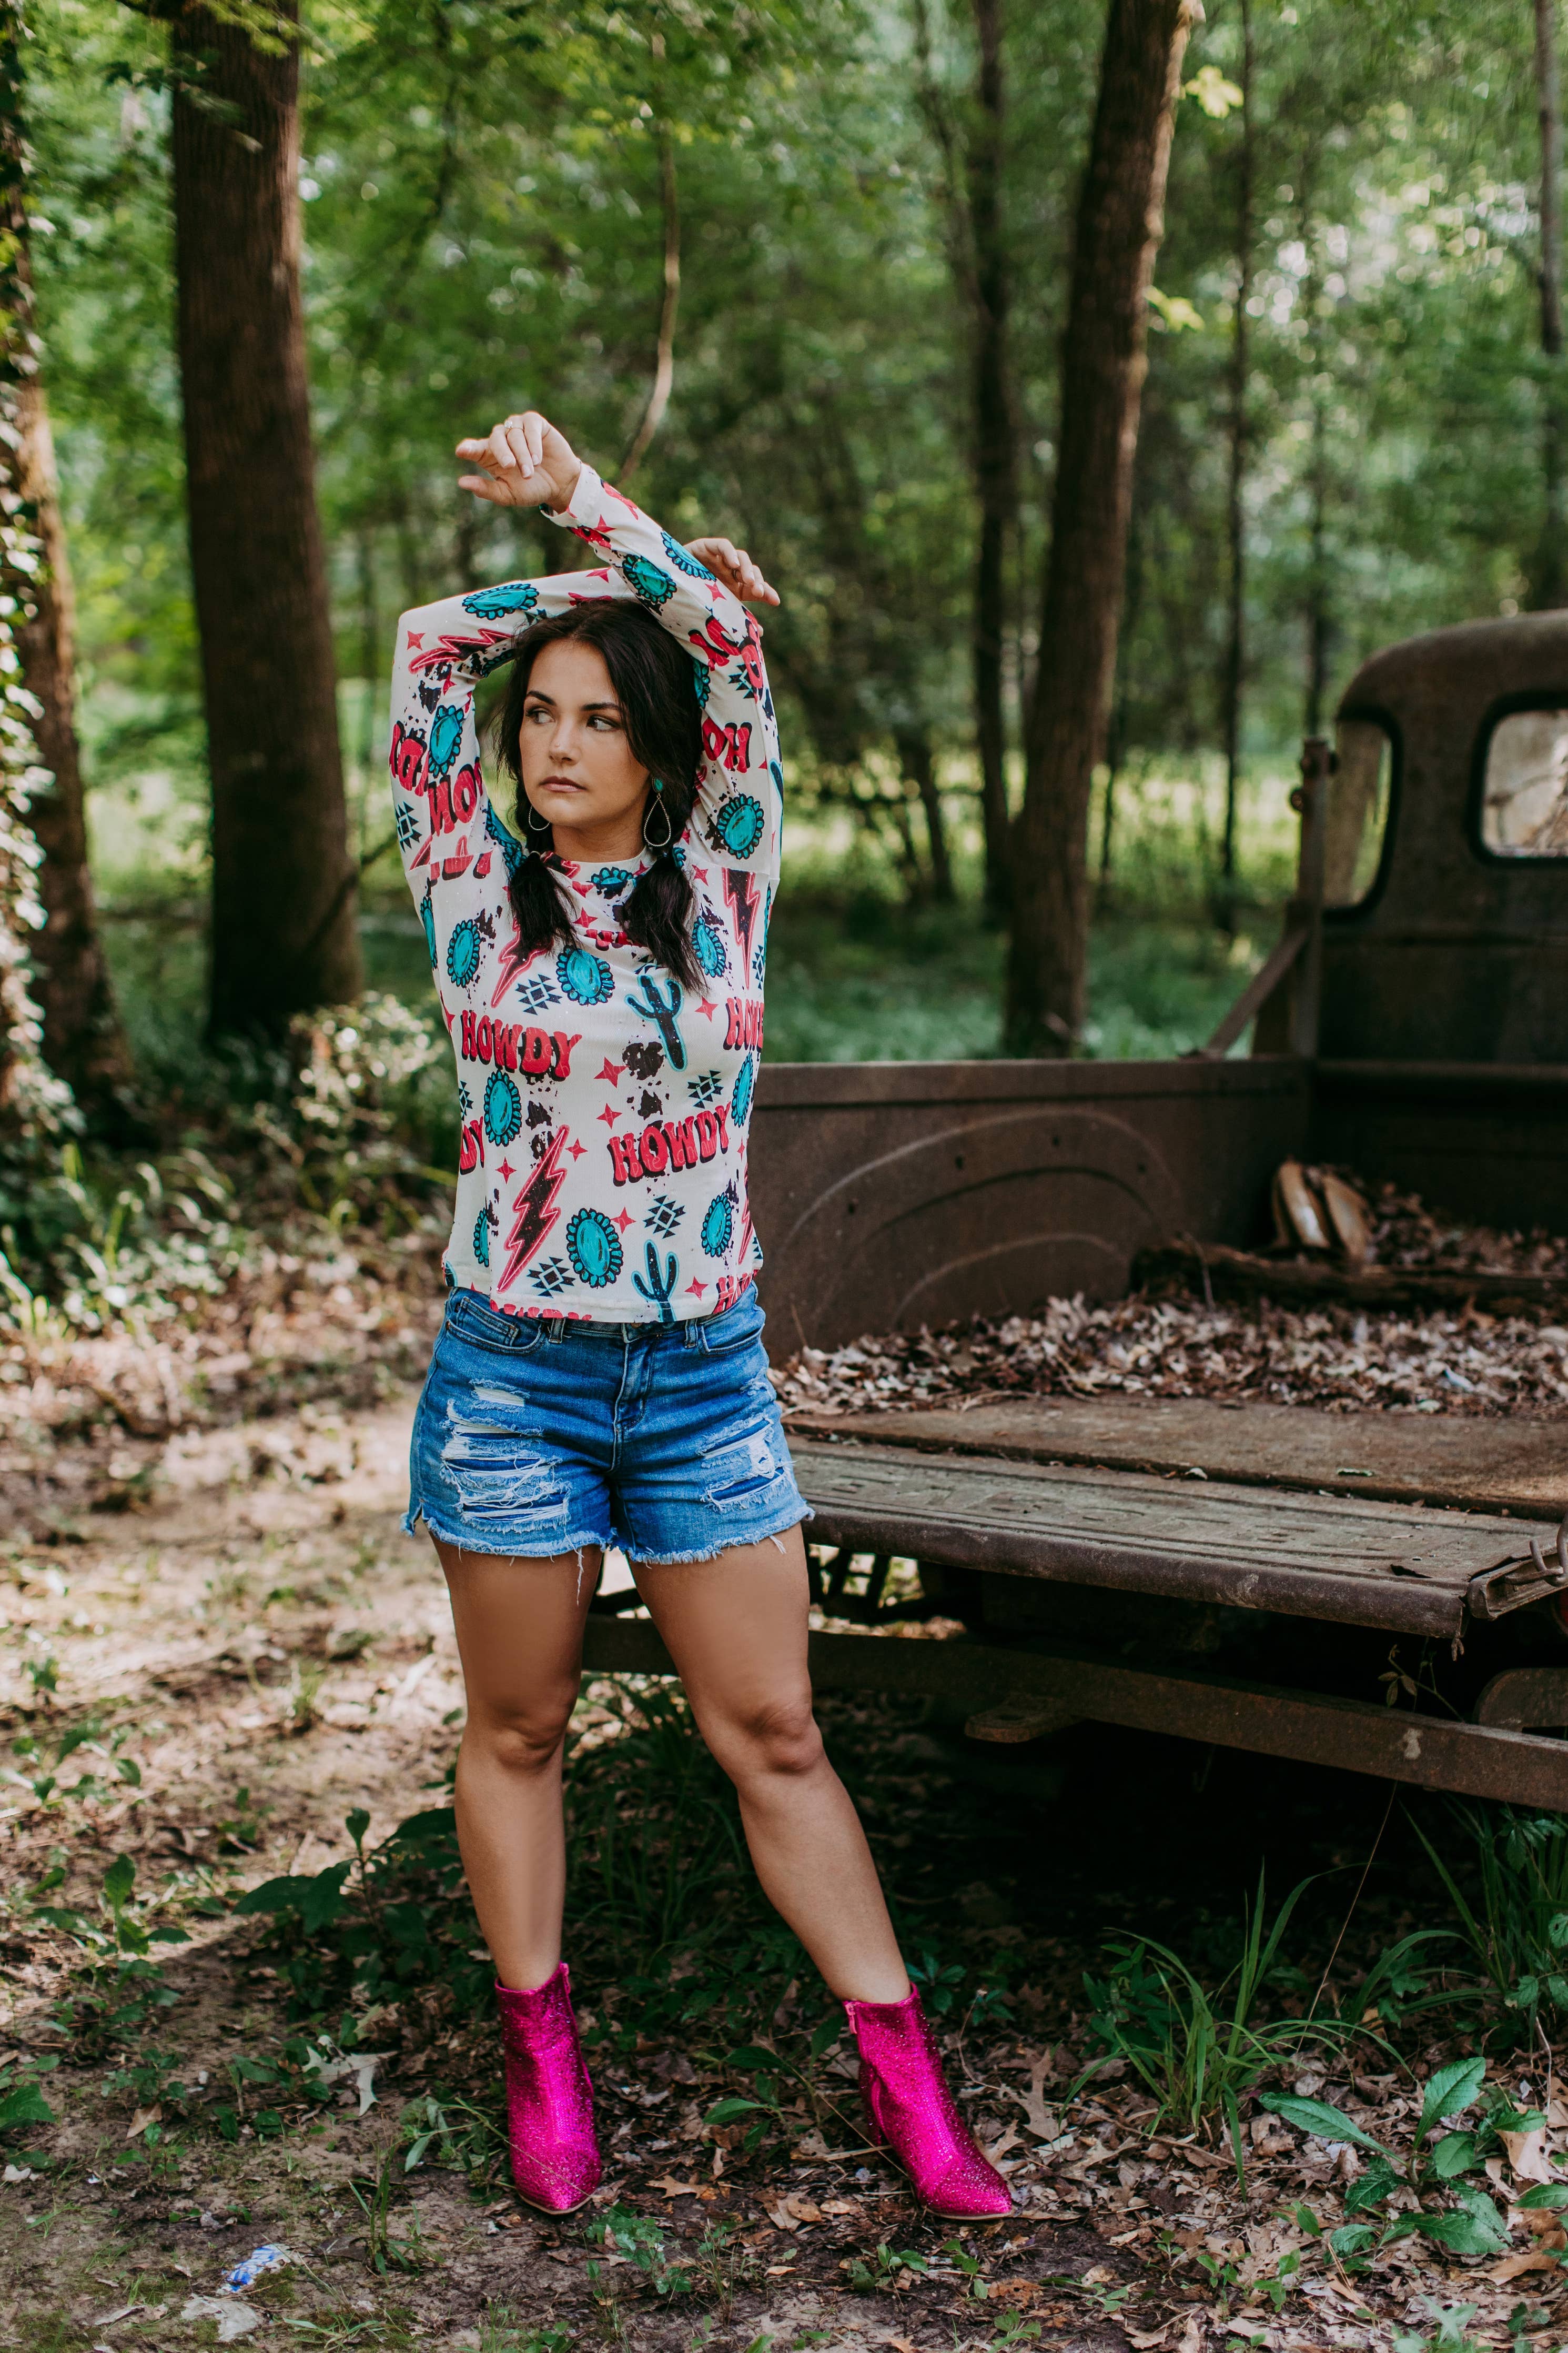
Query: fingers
x: 735, y: 568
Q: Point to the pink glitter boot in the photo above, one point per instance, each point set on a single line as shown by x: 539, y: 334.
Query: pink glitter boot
x: 555, y: 2159
x: 913, y: 2113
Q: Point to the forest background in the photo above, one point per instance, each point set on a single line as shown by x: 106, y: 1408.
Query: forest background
x: 766, y: 255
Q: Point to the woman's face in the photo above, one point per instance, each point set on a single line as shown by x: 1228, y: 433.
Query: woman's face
x: 579, y: 770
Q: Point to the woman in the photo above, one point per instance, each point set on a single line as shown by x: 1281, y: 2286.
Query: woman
x: 599, y: 1379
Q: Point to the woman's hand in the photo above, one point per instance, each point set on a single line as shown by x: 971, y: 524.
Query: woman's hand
x: 733, y: 567
x: 526, y: 462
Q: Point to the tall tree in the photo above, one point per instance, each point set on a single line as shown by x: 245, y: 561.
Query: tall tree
x: 31, y: 1101
x: 977, y: 249
x: 1236, y: 482
x: 283, y: 893
x: 83, y: 1041
x: 1549, y: 570
x: 1104, y: 362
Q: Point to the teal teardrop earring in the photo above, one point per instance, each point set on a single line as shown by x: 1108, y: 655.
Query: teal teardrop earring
x: 657, y: 803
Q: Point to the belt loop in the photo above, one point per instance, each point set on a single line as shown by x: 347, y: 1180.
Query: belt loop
x: 555, y: 1330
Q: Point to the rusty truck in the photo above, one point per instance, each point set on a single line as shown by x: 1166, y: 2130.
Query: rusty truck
x: 1412, y: 1025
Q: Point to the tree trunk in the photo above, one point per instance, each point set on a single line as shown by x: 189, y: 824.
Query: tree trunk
x: 670, y: 311
x: 1104, y: 361
x: 916, y: 761
x: 995, y: 448
x: 32, y: 1100
x: 1548, y: 572
x: 83, y: 1042
x: 1320, y: 604
x: 283, y: 895
x: 977, y: 254
x: 1235, y: 516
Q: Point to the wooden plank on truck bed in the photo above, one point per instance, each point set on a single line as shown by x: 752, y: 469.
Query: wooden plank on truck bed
x: 1339, y: 1557
x: 1479, y: 1463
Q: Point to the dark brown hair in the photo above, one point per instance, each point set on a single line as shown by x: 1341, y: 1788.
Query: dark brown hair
x: 656, y: 685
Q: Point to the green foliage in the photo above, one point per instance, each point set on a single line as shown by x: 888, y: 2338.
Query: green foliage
x: 884, y: 2268
x: 118, y: 1987
x: 712, y: 2269
x: 1471, y: 2224
x: 1518, y: 1930
x: 1201, y: 2052
x: 386, y: 2249
x: 22, y: 2101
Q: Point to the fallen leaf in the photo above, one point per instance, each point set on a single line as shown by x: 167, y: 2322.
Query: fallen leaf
x: 1142, y: 2343
x: 1527, y: 2155
x: 1534, y: 2259
x: 1011, y: 2139
x: 803, y: 2209
x: 361, y: 2064
x: 1192, y: 2332
x: 671, y: 2187
x: 839, y: 2206
x: 1039, y: 2118
x: 122, y: 2311
x: 780, y: 2216
x: 900, y: 2344
x: 233, y: 2319
x: 142, y: 2118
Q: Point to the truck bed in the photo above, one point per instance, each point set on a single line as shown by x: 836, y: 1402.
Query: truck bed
x: 1346, y: 1558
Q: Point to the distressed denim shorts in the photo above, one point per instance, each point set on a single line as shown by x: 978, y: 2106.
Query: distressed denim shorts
x: 536, y: 1436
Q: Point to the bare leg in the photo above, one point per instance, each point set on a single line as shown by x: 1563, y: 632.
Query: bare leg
x: 519, y: 1636
x: 736, y: 1629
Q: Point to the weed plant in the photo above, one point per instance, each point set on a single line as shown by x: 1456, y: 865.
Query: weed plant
x: 1518, y: 1926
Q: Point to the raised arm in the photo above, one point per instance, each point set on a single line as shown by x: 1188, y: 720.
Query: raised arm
x: 527, y: 463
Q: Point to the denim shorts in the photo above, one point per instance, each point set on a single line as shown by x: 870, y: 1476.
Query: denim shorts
x: 539, y: 1435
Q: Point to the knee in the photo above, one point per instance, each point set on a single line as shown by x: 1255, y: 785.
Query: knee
x: 522, y: 1740
x: 778, y: 1739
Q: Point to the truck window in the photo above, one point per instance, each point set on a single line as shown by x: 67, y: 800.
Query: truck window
x: 1357, y: 812
x: 1524, y: 800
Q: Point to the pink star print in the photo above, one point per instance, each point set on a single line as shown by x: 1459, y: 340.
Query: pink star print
x: 576, y: 1150
x: 450, y: 1012
x: 700, y: 872
x: 609, y: 1116
x: 416, y: 636
x: 697, y: 1287
x: 507, y: 1171
x: 611, y: 1073
x: 624, y: 1221
x: 709, y: 1009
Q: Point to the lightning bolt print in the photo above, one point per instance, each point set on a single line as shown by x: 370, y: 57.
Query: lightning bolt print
x: 535, y: 1207
x: 510, y: 963
x: 741, y: 891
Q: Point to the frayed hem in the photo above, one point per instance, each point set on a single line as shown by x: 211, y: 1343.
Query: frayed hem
x: 416, y: 1518
x: 715, y: 1552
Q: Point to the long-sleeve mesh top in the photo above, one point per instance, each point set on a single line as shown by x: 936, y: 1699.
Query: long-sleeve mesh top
x: 604, y: 1108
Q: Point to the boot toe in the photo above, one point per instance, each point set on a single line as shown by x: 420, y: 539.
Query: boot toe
x: 557, y: 2183
x: 969, y: 2190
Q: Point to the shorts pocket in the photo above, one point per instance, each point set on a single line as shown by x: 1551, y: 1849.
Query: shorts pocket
x: 740, y: 1326
x: 474, y: 1321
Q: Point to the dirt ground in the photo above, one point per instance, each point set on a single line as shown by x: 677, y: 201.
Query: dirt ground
x: 251, y: 1650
